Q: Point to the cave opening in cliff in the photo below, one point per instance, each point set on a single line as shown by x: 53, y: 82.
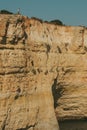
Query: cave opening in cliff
x: 66, y: 124
x: 73, y: 124
x: 57, y: 90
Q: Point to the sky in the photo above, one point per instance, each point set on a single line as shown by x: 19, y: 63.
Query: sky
x: 70, y: 12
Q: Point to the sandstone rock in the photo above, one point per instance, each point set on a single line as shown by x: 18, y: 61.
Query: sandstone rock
x: 42, y: 72
x: 26, y: 100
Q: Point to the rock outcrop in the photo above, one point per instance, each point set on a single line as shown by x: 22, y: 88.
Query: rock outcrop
x: 43, y: 71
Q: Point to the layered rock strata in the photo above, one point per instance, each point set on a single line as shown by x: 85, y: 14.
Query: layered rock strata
x: 26, y: 101
x: 42, y: 67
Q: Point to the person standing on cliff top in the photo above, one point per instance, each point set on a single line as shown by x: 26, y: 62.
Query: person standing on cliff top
x: 18, y: 11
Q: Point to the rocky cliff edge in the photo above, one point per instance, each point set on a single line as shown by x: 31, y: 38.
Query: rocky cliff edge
x: 43, y: 73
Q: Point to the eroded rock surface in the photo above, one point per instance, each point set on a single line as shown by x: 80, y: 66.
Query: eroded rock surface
x: 42, y: 67
x: 26, y: 101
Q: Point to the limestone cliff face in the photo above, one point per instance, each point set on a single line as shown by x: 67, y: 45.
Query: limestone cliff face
x: 43, y: 71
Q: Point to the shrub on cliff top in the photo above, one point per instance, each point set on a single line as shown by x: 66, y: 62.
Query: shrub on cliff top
x: 5, y: 12
x: 40, y: 20
x: 56, y: 22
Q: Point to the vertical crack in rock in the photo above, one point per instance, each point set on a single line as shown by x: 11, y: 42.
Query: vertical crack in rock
x: 47, y: 51
x: 5, y: 120
x: 37, y: 114
x: 54, y: 92
x: 57, y: 91
x: 5, y: 35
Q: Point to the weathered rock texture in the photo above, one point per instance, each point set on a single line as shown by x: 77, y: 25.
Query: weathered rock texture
x: 42, y: 67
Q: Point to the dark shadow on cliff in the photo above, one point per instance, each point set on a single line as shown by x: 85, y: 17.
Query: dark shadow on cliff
x: 57, y: 91
x: 73, y: 125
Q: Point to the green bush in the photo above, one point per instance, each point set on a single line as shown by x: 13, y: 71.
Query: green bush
x: 40, y: 20
x: 56, y: 22
x: 5, y: 12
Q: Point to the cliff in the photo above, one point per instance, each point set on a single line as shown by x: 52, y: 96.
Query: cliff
x: 43, y: 73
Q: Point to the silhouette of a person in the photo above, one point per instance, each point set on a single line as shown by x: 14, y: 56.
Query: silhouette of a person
x: 18, y: 11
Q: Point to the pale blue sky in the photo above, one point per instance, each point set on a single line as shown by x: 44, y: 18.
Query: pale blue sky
x: 70, y: 12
